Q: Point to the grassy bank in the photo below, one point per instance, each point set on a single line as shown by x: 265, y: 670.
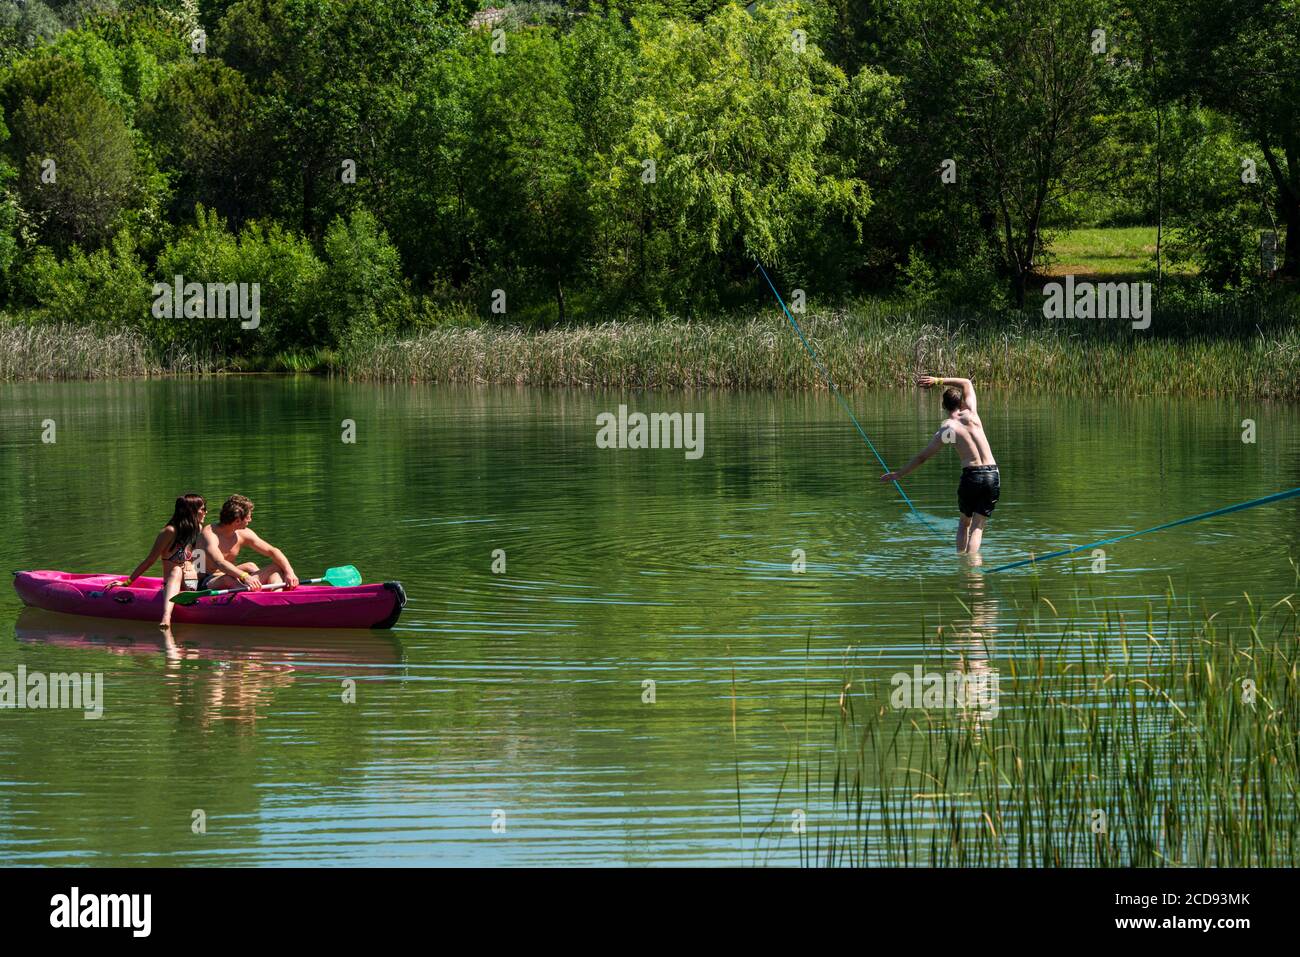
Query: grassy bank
x: 1168, y: 741
x: 40, y: 351
x: 1243, y: 350
x: 868, y: 346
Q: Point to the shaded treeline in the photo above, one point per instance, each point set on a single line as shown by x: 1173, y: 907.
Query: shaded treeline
x: 380, y: 166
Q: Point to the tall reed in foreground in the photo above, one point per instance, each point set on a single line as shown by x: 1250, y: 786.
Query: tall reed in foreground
x: 1173, y: 741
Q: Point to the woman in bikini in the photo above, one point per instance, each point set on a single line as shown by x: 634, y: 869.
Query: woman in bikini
x: 178, y: 546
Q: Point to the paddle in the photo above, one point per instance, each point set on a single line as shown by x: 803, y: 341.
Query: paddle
x: 344, y: 576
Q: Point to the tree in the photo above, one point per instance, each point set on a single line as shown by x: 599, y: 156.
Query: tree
x: 203, y: 124
x: 534, y: 203
x: 24, y: 26
x: 1240, y: 57
x: 1213, y: 215
x: 427, y: 207
x: 331, y: 79
x: 76, y: 157
x: 1011, y: 91
x: 361, y: 289
x: 8, y: 216
x: 724, y: 158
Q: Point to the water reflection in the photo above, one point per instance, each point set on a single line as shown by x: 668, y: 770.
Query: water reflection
x: 522, y: 689
x: 973, y: 643
x: 224, y: 674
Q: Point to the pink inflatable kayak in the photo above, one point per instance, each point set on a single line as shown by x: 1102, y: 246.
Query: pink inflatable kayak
x: 308, y: 606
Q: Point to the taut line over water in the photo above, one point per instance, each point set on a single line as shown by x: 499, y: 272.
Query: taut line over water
x: 1275, y: 497
x: 836, y: 390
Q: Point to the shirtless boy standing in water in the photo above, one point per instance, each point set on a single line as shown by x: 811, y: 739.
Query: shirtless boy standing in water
x: 980, y: 483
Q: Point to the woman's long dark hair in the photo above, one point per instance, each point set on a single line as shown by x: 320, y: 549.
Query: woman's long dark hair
x: 186, y: 520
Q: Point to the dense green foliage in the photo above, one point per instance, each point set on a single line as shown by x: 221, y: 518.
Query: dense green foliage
x: 380, y: 165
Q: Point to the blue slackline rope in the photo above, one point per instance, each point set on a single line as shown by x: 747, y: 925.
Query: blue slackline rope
x: 835, y: 389
x: 1275, y: 497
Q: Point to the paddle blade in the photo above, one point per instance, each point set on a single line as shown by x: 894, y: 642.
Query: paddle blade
x: 189, y: 597
x: 345, y: 576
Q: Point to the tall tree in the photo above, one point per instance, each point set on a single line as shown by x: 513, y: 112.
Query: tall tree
x: 75, y: 154
x: 534, y: 205
x: 204, y: 127
x: 428, y: 208
x: 8, y: 215
x: 332, y: 78
x: 1242, y: 57
x: 725, y: 156
x: 1011, y: 91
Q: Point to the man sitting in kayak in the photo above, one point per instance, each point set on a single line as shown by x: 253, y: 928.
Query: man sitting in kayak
x: 178, y: 547
x: 980, y: 486
x: 225, y: 539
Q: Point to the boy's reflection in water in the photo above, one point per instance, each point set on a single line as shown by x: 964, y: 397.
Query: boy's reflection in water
x: 972, y: 644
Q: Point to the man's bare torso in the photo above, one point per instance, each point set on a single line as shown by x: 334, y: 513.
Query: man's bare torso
x: 228, y: 541
x: 968, y: 436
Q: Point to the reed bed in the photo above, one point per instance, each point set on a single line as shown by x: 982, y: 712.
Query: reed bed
x: 870, y: 346
x: 63, y: 352
x: 1173, y: 741
x: 1247, y: 350
x: 54, y: 351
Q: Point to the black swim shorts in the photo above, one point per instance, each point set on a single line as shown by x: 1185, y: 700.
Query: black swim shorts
x: 979, y: 489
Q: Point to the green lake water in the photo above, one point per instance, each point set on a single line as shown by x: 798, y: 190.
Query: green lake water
x: 520, y: 697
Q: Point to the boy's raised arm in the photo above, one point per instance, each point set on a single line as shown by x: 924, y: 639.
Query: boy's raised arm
x: 967, y: 387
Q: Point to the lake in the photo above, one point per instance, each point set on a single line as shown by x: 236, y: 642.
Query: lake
x: 630, y: 687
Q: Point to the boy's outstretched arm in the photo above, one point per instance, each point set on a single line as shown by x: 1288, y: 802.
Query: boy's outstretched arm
x: 967, y: 387
x: 270, y: 551
x: 936, y: 443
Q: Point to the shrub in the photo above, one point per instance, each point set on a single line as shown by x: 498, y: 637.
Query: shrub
x: 283, y: 267
x: 916, y: 278
x: 362, y: 290
x: 105, y: 289
x: 434, y: 312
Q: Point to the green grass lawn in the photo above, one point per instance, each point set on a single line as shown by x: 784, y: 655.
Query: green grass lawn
x: 1119, y: 251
